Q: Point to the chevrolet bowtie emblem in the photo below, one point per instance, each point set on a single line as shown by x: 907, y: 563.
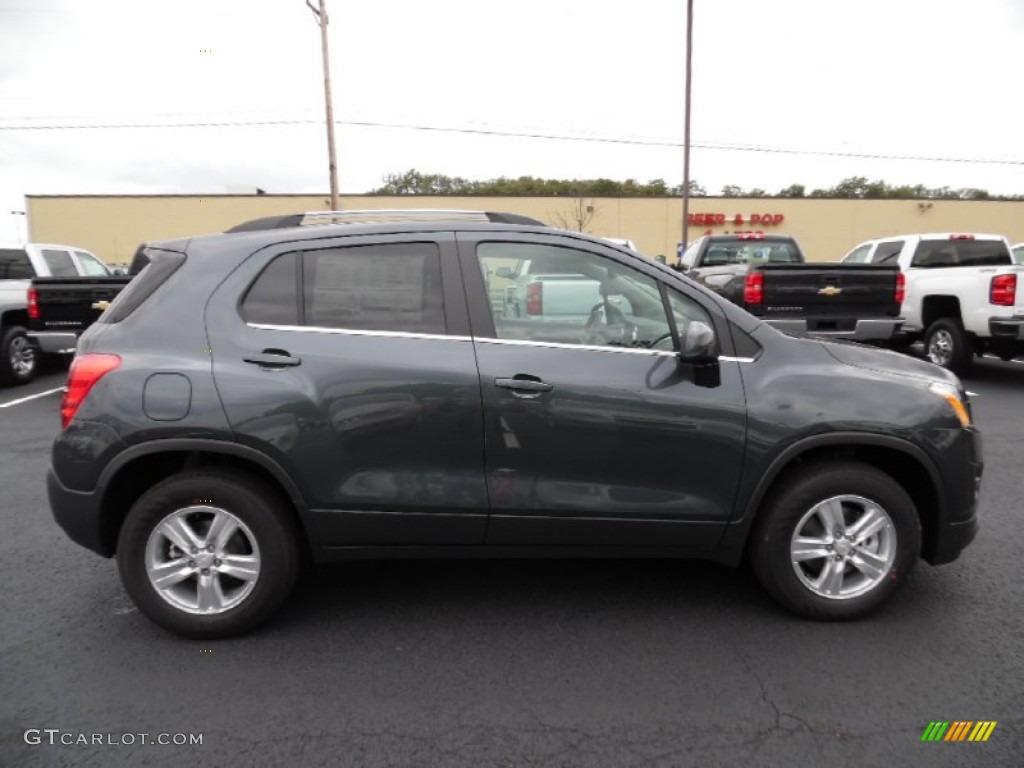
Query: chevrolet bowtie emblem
x: 100, y: 305
x: 830, y: 290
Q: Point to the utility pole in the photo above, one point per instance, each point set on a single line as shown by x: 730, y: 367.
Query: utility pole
x: 686, y: 130
x: 321, y: 20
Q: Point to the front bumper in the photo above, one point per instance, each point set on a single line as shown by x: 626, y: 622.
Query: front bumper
x: 55, y: 342
x: 864, y: 329
x: 962, y: 474
x: 79, y: 514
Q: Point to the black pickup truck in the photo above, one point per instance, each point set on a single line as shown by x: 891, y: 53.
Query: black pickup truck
x: 768, y: 276
x: 61, y: 308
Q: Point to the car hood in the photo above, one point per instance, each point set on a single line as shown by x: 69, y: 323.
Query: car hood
x: 886, y: 361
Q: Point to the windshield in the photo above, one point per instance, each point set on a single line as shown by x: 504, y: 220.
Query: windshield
x: 961, y: 253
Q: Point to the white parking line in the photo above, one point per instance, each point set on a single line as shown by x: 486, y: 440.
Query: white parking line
x: 31, y: 397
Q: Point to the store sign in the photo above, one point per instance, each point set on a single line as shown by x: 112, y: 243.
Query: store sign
x: 738, y: 219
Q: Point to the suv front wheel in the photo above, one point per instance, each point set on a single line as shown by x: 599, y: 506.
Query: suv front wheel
x: 835, y: 540
x: 208, y: 553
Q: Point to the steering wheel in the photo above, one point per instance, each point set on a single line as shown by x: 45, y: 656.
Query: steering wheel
x: 655, y: 342
x: 604, y: 313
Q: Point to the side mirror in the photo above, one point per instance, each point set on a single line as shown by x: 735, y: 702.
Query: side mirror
x: 505, y: 272
x: 118, y: 272
x: 696, y: 343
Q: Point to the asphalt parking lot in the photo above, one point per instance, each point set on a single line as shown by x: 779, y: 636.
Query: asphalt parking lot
x: 567, y: 663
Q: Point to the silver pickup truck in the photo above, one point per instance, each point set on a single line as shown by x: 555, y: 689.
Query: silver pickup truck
x: 19, y: 263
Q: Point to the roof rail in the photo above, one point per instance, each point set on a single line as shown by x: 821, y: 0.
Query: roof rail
x: 381, y: 216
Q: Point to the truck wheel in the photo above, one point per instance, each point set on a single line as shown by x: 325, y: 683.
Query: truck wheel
x: 18, y: 356
x: 836, y: 540
x: 208, y: 553
x: 947, y: 344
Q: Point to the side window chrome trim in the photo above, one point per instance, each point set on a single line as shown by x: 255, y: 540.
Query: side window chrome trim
x: 356, y: 332
x: 563, y: 345
x: 727, y: 359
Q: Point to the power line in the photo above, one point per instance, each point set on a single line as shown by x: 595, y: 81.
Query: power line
x: 722, y: 146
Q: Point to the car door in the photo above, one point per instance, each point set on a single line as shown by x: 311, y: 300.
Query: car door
x: 595, y: 433
x: 348, y: 362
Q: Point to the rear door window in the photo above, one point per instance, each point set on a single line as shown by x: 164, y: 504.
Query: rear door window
x: 382, y: 287
x: 59, y: 263
x: 15, y: 265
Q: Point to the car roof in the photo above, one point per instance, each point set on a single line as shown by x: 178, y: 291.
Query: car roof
x: 23, y: 246
x: 936, y: 236
x: 748, y: 237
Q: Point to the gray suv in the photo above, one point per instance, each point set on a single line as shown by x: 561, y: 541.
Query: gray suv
x: 286, y: 393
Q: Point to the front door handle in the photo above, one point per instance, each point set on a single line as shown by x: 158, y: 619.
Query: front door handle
x: 272, y: 358
x: 524, y: 383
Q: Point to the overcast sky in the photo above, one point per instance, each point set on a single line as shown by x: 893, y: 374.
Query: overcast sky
x: 923, y: 78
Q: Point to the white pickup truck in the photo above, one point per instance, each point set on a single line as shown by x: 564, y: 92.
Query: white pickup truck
x: 963, y: 294
x: 19, y: 263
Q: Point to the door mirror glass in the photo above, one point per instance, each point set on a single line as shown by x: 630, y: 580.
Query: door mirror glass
x: 697, y: 342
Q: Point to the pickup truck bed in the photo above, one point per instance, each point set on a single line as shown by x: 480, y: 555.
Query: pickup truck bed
x: 60, y: 309
x: 852, y: 302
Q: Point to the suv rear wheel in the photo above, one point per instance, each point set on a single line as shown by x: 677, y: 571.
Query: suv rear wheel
x: 208, y: 553
x: 836, y: 540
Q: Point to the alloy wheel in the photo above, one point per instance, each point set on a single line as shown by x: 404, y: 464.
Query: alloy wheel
x: 843, y: 547
x: 202, y: 560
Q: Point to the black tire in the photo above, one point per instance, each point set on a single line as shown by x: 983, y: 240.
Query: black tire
x: 960, y: 354
x: 793, y: 499
x: 19, y: 359
x: 258, y: 507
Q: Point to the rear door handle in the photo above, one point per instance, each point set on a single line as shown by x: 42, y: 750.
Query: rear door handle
x: 272, y: 358
x: 524, y: 384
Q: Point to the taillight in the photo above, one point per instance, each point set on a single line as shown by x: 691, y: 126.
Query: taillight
x: 33, y: 304
x: 535, y: 298
x: 1003, y: 290
x: 901, y: 287
x: 85, y: 371
x: 753, y: 288
x: 961, y: 237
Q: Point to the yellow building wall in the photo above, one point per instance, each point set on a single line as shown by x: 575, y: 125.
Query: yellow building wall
x: 112, y: 226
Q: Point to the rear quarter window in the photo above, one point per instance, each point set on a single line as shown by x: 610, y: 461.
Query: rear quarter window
x: 273, y: 298
x: 162, y: 265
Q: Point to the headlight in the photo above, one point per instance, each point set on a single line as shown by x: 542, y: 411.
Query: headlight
x: 951, y: 395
